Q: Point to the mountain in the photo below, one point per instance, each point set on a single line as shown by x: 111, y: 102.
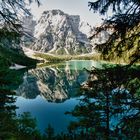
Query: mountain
x: 59, y: 33
x: 28, y: 24
x: 55, y: 84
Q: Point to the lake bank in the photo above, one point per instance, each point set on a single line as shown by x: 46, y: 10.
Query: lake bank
x: 48, y: 58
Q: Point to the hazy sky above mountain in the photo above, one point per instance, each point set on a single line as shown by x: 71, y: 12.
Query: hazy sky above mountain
x: 74, y: 7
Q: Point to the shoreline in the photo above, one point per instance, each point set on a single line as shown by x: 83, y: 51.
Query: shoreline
x: 52, y: 58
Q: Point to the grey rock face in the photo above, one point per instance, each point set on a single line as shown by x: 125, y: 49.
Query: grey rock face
x: 53, y: 84
x: 28, y: 25
x: 60, y: 33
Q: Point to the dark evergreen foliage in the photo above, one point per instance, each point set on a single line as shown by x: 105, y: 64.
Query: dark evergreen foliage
x: 110, y: 104
x: 11, y: 11
x: 125, y: 22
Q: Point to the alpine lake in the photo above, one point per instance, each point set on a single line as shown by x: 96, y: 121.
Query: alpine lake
x: 112, y: 96
x: 48, y: 92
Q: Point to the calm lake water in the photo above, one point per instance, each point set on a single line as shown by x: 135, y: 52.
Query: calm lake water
x: 107, y: 106
x: 48, y: 92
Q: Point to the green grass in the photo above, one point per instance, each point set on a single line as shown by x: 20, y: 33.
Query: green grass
x: 61, y: 58
x: 50, y: 59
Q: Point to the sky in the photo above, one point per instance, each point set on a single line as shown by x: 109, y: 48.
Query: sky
x: 71, y: 7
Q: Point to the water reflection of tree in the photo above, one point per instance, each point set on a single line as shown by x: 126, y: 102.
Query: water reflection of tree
x: 110, y: 105
x: 11, y: 126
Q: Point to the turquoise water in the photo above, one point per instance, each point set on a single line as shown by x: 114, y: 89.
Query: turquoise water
x: 48, y: 92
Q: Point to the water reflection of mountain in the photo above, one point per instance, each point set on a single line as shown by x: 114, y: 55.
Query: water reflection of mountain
x: 54, y: 84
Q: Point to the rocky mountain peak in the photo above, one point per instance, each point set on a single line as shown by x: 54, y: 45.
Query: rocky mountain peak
x: 54, y: 12
x: 59, y: 33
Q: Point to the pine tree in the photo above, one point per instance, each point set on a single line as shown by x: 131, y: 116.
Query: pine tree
x: 125, y: 22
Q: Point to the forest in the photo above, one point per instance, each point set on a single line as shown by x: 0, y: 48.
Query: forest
x: 108, y: 105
